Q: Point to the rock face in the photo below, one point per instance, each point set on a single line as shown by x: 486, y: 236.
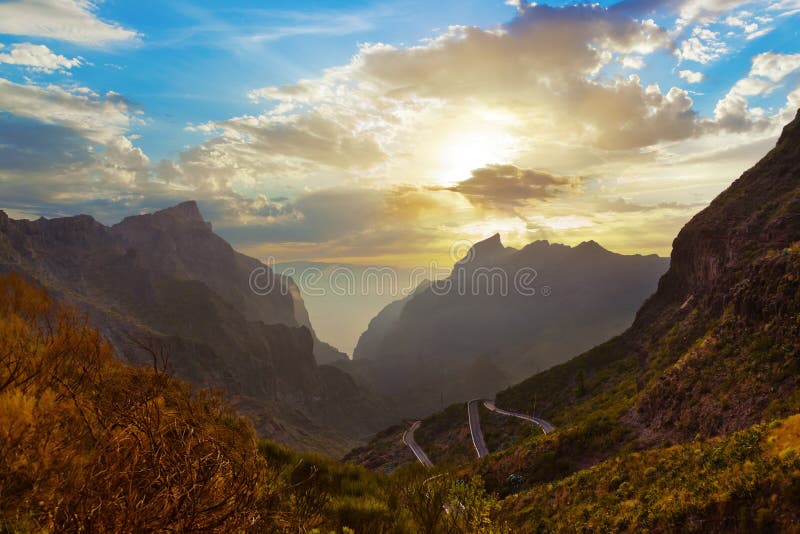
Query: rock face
x: 735, y: 283
x: 180, y: 243
x: 510, y: 312
x: 168, y: 280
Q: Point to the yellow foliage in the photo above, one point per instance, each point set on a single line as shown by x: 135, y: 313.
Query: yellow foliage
x: 89, y: 444
x: 785, y: 437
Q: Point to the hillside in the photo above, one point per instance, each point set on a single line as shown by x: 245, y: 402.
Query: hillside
x: 90, y: 444
x: 500, y: 316
x: 166, y: 280
x: 713, y: 351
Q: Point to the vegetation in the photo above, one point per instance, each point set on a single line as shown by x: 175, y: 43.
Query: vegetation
x: 661, y: 429
x: 501, y: 431
x: 90, y: 444
x: 681, y: 375
x: 746, y: 482
x: 445, y: 436
x: 382, y: 451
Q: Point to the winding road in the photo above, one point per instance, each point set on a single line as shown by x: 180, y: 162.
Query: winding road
x: 408, y: 439
x: 545, y: 426
x: 475, y: 423
x: 474, y: 429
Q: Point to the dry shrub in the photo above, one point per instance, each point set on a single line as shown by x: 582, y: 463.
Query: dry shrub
x: 90, y: 444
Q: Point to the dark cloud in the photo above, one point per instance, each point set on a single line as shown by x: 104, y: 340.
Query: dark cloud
x: 509, y: 187
x: 31, y: 146
x: 341, y: 214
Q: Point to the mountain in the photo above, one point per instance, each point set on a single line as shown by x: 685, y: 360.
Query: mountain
x: 370, y: 341
x: 504, y: 311
x: 341, y: 298
x: 179, y: 242
x: 164, y: 282
x: 686, y: 420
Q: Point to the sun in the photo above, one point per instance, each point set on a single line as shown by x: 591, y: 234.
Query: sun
x: 463, y: 151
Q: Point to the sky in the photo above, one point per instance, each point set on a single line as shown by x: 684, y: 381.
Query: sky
x: 385, y: 132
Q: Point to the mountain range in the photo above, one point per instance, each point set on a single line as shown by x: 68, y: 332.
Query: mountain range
x: 165, y: 284
x: 498, y: 317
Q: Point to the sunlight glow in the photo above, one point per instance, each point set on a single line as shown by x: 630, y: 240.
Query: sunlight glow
x: 464, y: 151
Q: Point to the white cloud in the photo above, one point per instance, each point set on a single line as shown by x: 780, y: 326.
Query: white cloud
x: 752, y: 86
x: 632, y: 62
x: 706, y: 11
x: 67, y: 20
x: 121, y: 153
x: 70, y: 146
x: 404, y: 114
x: 785, y: 7
x: 760, y: 33
x: 80, y: 109
x: 740, y: 21
x: 766, y: 73
x: 691, y: 76
x: 703, y: 46
x: 732, y: 111
x: 375, y: 155
x: 37, y: 57
x: 733, y: 114
x: 775, y: 67
x: 750, y: 24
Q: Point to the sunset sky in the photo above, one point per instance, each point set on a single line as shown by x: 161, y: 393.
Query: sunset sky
x: 381, y: 132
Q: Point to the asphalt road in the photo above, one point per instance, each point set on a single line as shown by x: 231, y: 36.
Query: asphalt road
x: 546, y: 427
x: 475, y: 423
x: 408, y: 439
x: 475, y: 428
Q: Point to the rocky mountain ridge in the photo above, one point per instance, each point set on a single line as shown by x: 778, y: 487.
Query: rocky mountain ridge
x: 166, y: 279
x: 501, y: 314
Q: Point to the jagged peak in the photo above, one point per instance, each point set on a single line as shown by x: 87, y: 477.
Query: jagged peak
x: 591, y: 245
x: 539, y: 243
x: 487, y: 250
x: 82, y: 219
x: 184, y: 213
x: 490, y: 243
